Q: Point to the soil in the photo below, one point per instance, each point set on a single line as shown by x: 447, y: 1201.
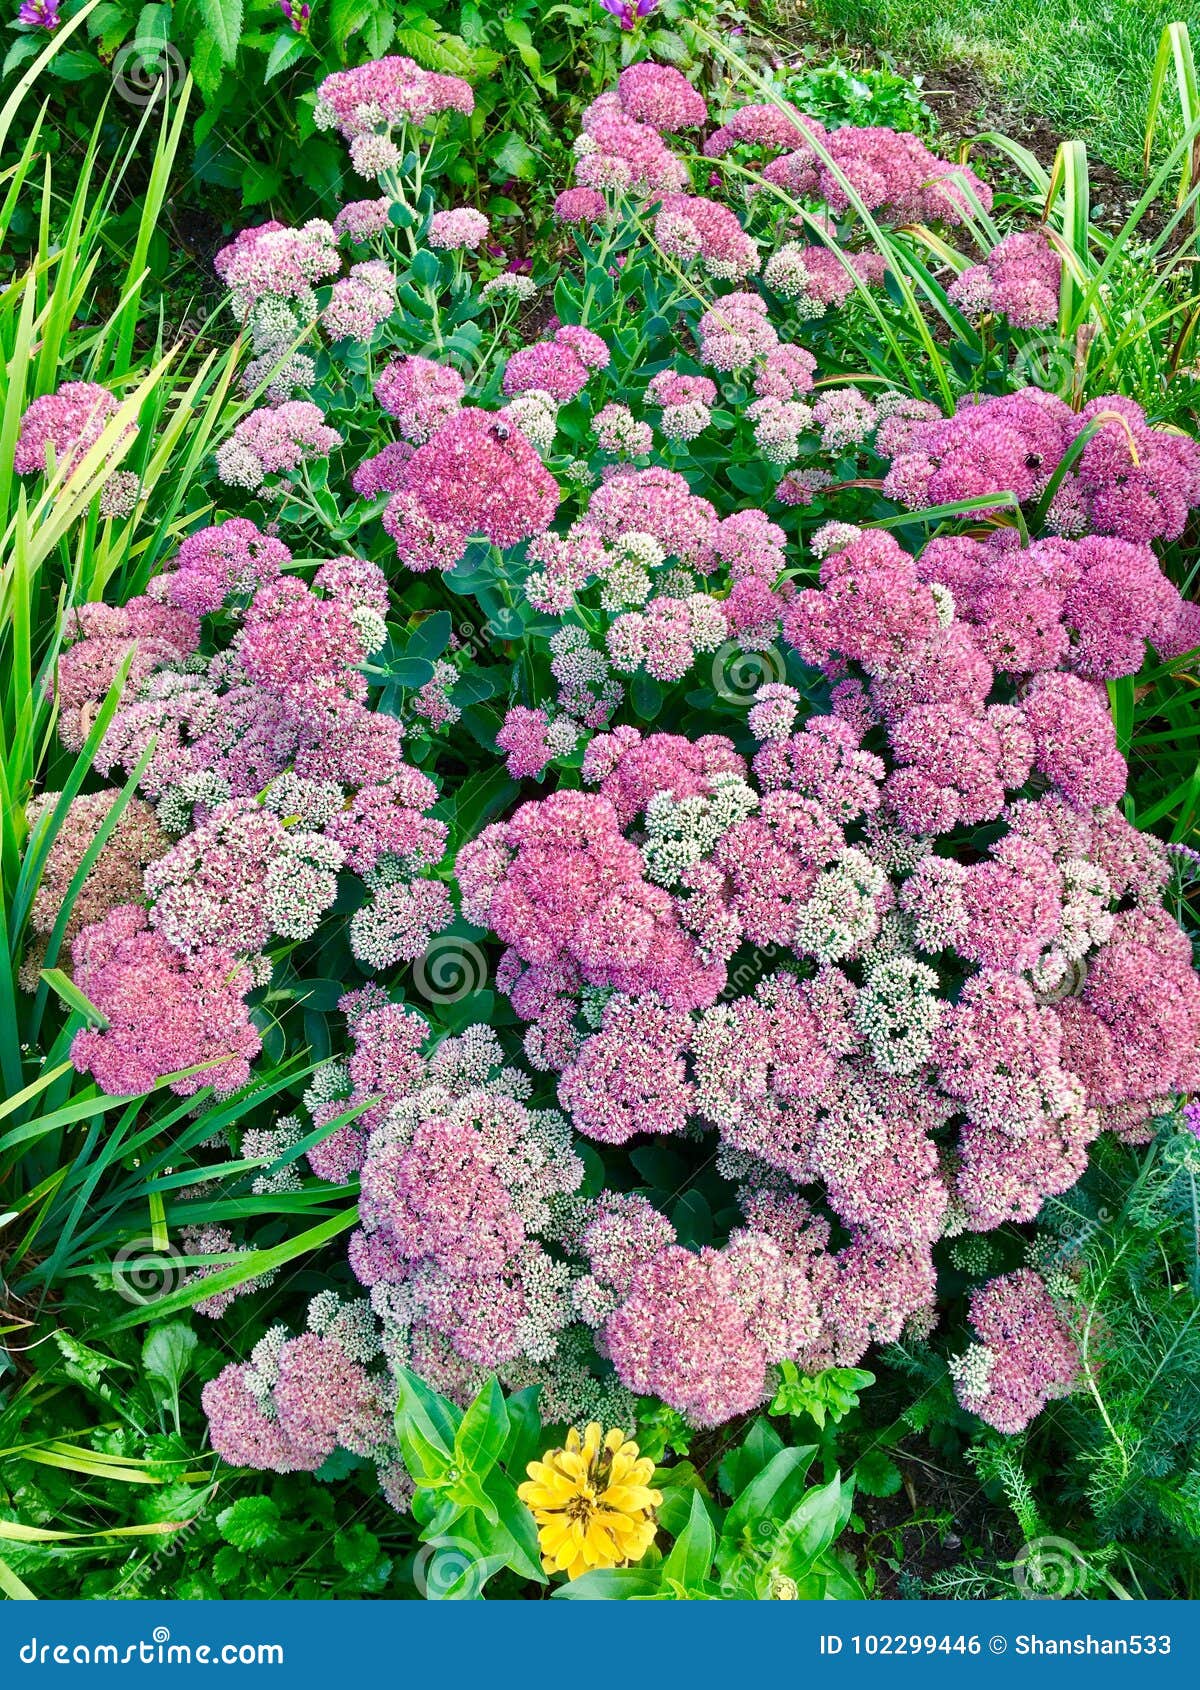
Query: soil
x: 937, y: 1521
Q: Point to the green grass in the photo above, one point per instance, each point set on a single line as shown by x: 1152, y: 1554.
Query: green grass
x: 1085, y: 69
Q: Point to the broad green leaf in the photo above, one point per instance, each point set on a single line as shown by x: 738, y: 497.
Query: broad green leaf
x: 483, y: 1432
x: 430, y: 1416
x: 771, y: 1495
x: 691, y: 1557
x: 224, y: 20
x: 612, y: 1584
x: 167, y: 1352
x: 250, y: 1523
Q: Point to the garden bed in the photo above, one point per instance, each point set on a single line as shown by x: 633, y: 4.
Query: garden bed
x: 598, y: 736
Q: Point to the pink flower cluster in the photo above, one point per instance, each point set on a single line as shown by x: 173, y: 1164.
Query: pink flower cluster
x: 701, y: 1330
x: 560, y: 367
x: 1026, y: 1355
x: 266, y: 759
x: 1131, y: 481
x: 297, y: 1401
x: 273, y: 261
x: 476, y: 475
x: 64, y: 424
x: 164, y: 1012
x: 420, y: 394
x: 387, y: 92
x: 963, y: 1026
x: 618, y: 152
x: 1019, y: 280
x: 689, y: 227
x: 458, y: 1183
x: 275, y: 440
x: 891, y: 172
x: 457, y: 230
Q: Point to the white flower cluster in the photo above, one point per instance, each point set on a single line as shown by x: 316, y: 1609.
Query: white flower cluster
x: 681, y: 832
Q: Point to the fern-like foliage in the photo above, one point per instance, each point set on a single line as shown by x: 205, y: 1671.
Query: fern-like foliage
x: 1115, y: 1468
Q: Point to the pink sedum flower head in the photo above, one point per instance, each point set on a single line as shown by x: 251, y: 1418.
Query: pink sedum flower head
x: 1019, y: 280
x: 387, y: 92
x: 661, y: 96
x: 1026, y: 1355
x: 62, y: 426
x: 164, y: 1012
x: 275, y: 440
x: 479, y: 475
x: 458, y: 230
x: 420, y: 394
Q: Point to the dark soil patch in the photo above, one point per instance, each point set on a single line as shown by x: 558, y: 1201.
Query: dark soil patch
x: 936, y: 1522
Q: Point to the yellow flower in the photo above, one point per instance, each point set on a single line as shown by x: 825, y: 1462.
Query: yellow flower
x: 592, y: 1502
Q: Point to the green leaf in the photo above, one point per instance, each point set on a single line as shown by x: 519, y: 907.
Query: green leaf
x: 515, y: 1527
x: 65, y: 988
x: 510, y: 154
x: 612, y: 1584
x: 82, y: 1364
x: 484, y: 1431
x: 760, y: 1446
x: 207, y: 62
x: 167, y: 1353
x: 691, y: 1557
x: 772, y: 1494
x: 346, y: 18
x: 224, y: 20
x: 260, y: 182
x: 431, y: 636
x: 426, y: 1425
x: 811, y: 1527
x: 250, y: 1523
x: 524, y: 1431
x: 468, y: 1492
x: 75, y: 65
x: 356, y: 1549
x: 425, y: 269
x: 876, y: 1474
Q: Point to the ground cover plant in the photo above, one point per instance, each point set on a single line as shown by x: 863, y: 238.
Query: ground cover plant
x: 597, y: 862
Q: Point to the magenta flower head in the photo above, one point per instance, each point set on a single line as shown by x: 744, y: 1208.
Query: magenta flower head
x: 39, y: 14
x: 297, y: 16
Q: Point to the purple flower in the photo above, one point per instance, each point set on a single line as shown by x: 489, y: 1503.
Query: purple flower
x: 627, y: 12
x: 1191, y: 1117
x: 297, y: 16
x: 39, y: 14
